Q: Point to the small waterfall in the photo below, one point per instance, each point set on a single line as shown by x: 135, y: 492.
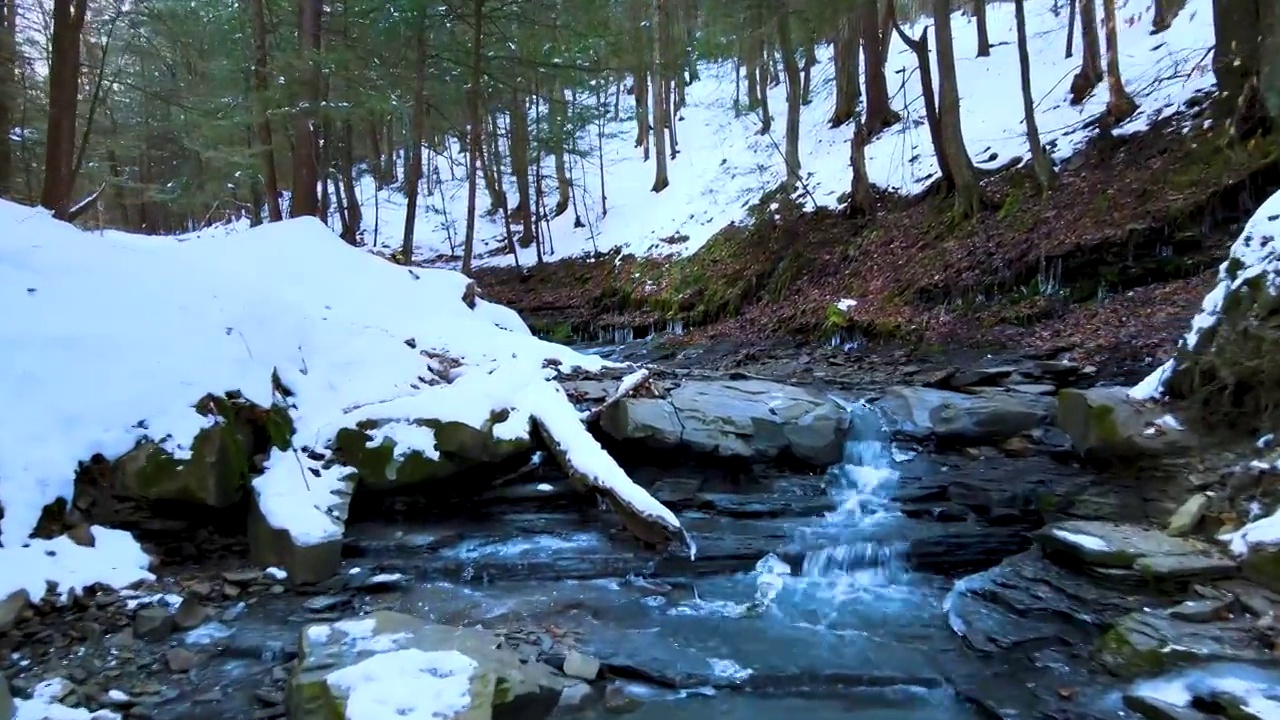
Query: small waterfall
x: 863, y: 483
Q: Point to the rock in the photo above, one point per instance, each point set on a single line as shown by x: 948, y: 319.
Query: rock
x: 1201, y: 611
x: 1262, y: 565
x: 81, y: 535
x: 190, y: 614
x: 458, y: 447
x: 1017, y: 447
x: 1105, y: 424
x: 1151, y: 642
x: 7, y: 707
x: 424, y: 656
x: 242, y: 577
x: 1187, y: 517
x: 11, y: 609
x: 1147, y: 553
x: 181, y: 660
x: 152, y: 624
x: 990, y: 417
x: 757, y: 420
x: 325, y: 603
x: 307, y: 560
x: 617, y: 701
x: 1033, y: 389
x: 216, y: 472
x: 581, y: 666
x: 1153, y: 708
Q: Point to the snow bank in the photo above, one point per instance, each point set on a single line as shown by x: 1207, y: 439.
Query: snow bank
x: 1256, y: 690
x: 723, y: 165
x: 1255, y: 253
x: 115, y: 559
x: 117, y: 336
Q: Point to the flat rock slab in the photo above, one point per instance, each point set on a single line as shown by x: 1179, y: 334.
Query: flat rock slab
x: 1151, y: 642
x: 921, y: 413
x: 756, y: 420
x: 1154, y: 554
x: 425, y: 670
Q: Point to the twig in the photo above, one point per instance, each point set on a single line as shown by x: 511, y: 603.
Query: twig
x: 628, y: 386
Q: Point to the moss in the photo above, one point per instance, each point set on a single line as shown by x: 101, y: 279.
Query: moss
x: 1116, y: 653
x: 279, y: 426
x: 1263, y: 567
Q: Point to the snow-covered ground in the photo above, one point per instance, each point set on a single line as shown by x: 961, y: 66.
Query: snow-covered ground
x: 724, y: 165
x: 112, y: 338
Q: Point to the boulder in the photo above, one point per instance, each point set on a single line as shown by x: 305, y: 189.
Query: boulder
x: 1154, y: 708
x: 753, y: 419
x: 1262, y: 565
x: 1188, y: 515
x: 378, y: 448
x: 308, y: 559
x: 1149, y: 643
x: 412, y: 668
x: 1104, y: 423
x: 986, y: 418
x: 11, y: 607
x: 1128, y: 552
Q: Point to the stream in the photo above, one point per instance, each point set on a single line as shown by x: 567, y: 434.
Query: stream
x: 815, y: 594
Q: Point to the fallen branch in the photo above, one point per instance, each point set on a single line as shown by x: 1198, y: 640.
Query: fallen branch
x: 626, y: 388
x: 591, y: 468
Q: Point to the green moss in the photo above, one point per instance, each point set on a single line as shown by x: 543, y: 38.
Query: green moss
x: 1263, y: 567
x: 1120, y: 657
x: 278, y: 424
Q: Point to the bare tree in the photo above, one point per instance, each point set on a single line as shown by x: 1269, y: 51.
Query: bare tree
x: 968, y: 192
x: 791, y: 69
x: 1039, y: 158
x: 660, y: 180
x: 261, y: 122
x: 64, y: 99
x: 984, y: 36
x: 475, y: 117
x: 1090, y: 73
x: 306, y: 165
x: 1120, y: 104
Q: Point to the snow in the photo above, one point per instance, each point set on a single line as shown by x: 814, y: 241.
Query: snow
x: 406, y: 685
x: 1254, y: 253
x: 121, y: 335
x: 1087, y: 542
x: 1257, y: 534
x: 115, y: 559
x: 44, y: 705
x: 724, y: 166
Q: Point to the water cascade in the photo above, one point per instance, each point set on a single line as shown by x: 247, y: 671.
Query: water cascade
x: 855, y: 551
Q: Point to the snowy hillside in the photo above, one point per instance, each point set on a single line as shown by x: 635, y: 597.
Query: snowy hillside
x: 724, y: 165
x: 112, y: 339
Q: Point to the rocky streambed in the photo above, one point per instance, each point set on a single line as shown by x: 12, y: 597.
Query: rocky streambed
x: 956, y: 561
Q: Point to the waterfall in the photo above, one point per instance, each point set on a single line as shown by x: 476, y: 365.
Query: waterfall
x: 863, y: 482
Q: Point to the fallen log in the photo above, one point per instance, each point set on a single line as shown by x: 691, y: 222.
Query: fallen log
x: 626, y: 388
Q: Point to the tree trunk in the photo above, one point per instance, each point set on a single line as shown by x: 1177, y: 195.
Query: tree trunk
x: 861, y: 197
x: 792, y: 70
x: 474, y: 142
x: 642, y: 110
x: 1165, y: 12
x: 1120, y: 104
x: 347, y: 168
x: 306, y: 168
x: 9, y: 96
x: 559, y: 122
x: 1039, y: 158
x: 660, y: 181
x: 878, y: 114
x: 520, y: 166
x: 64, y: 97
x: 261, y: 121
x: 968, y: 193
x: 1090, y: 73
x: 1071, y: 28
x: 980, y: 18
x: 810, y: 60
x: 845, y: 55
x: 751, y: 61
x: 921, y: 49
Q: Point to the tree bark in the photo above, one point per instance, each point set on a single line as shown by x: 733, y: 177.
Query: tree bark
x: 794, y: 96
x: 1040, y: 161
x: 968, y: 193
x: 9, y: 96
x: 861, y: 197
x: 984, y: 36
x: 1120, y: 104
x: 64, y: 98
x: 520, y: 166
x: 845, y: 54
x: 878, y: 114
x: 417, y: 129
x: 660, y: 180
x: 559, y: 122
x: 1090, y: 73
x: 474, y: 141
x: 1071, y: 28
x: 921, y: 49
x: 306, y: 167
x: 261, y: 120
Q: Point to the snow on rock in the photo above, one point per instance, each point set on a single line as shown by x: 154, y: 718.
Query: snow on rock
x: 1254, y: 259
x: 115, y: 559
x: 724, y: 166
x: 121, y: 335
x: 44, y: 705
x: 1264, y: 533
x: 410, y: 684
x: 1246, y: 691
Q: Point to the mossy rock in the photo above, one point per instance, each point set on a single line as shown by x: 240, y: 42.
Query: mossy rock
x: 1262, y: 565
x: 458, y: 447
x: 1150, y: 642
x: 216, y: 473
x: 1104, y: 424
